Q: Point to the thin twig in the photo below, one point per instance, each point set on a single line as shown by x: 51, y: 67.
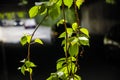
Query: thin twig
x: 29, y: 45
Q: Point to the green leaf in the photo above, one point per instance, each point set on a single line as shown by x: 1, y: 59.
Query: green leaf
x: 23, y: 68
x: 23, y: 40
x: 84, y: 41
x: 79, y: 3
x: 42, y: 9
x: 61, y: 75
x: 54, y: 11
x: 74, y: 41
x: 60, y: 22
x: 60, y: 65
x: 50, y: 78
x: 33, y: 11
x: 38, y: 41
x: 63, y: 42
x: 72, y: 67
x: 62, y: 35
x: 74, y: 26
x: 32, y: 64
x: 30, y: 70
x: 74, y: 50
x: 61, y: 59
x: 69, y: 31
x: 85, y: 31
x: 72, y: 58
x: 28, y: 38
x: 29, y: 64
x: 59, y: 3
x: 77, y: 77
x: 68, y: 3
x: 64, y: 69
x: 53, y: 76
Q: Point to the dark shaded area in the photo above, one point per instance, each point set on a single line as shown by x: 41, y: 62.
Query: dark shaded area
x: 12, y: 5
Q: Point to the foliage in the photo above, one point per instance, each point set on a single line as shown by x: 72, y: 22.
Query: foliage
x: 74, y: 39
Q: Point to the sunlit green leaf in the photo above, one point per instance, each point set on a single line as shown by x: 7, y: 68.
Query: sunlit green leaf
x: 60, y: 65
x: 72, y: 58
x: 32, y: 64
x: 61, y: 75
x: 33, y: 11
x: 79, y: 3
x: 50, y: 78
x: 60, y: 22
x: 63, y: 42
x: 77, y: 77
x: 64, y: 69
x: 29, y: 64
x: 61, y: 59
x: 85, y: 31
x: 23, y: 70
x: 28, y: 38
x: 74, y: 26
x: 62, y: 35
x: 73, y: 67
x: 73, y: 50
x: 38, y: 41
x: 68, y: 3
x: 84, y: 41
x: 69, y: 31
x: 30, y: 70
x: 53, y: 76
x: 74, y: 41
x: 23, y: 40
x: 59, y: 3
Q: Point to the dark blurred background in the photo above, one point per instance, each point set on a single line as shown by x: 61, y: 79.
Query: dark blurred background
x: 100, y: 61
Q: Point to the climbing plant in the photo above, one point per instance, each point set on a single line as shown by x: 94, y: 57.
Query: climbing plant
x: 74, y: 38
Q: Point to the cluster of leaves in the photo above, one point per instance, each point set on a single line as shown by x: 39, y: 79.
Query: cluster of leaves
x: 27, y: 39
x: 74, y: 38
x: 52, y: 7
x: 77, y: 37
x: 28, y: 65
x: 67, y: 67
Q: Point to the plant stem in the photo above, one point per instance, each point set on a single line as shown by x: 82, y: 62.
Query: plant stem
x: 28, y: 56
x: 30, y: 76
x: 66, y: 38
x: 76, y: 13
x: 29, y: 45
